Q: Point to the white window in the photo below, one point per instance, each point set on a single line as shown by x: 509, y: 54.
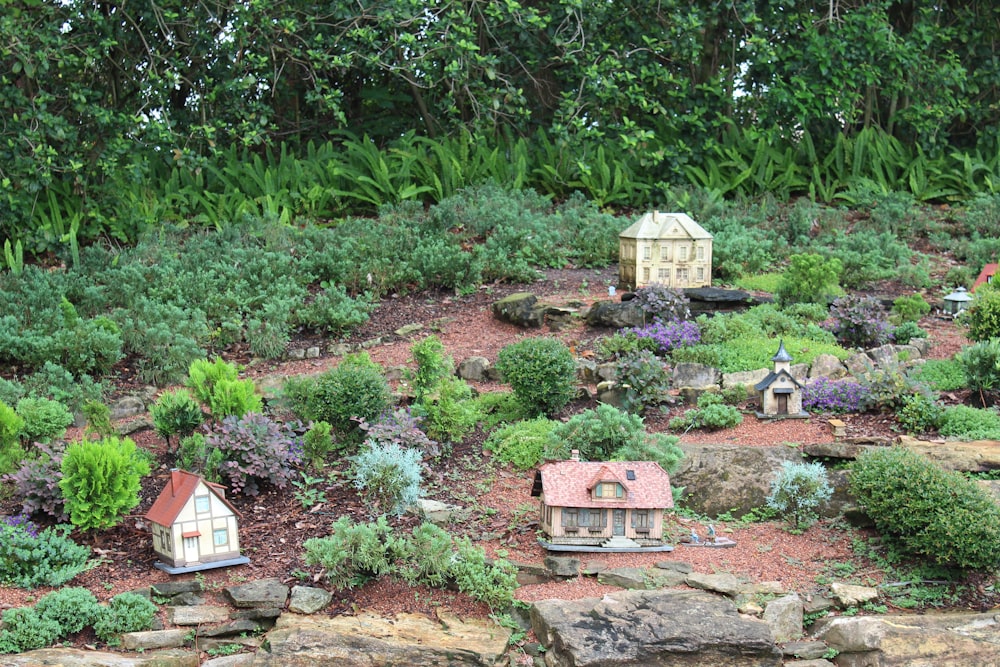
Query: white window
x: 647, y: 252
x: 220, y: 536
x: 700, y: 271
x: 663, y: 275
x: 665, y: 252
x: 682, y: 253
x: 645, y: 274
x: 682, y: 276
x: 201, y: 504
x: 701, y: 253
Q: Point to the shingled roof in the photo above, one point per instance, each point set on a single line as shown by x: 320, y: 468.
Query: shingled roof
x: 176, y: 493
x: 658, y: 225
x: 569, y: 484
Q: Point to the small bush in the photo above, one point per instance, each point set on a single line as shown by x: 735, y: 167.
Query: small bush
x: 522, y: 443
x: 100, y: 481
x: 37, y: 482
x: 234, y: 398
x: 317, y: 443
x: 797, y: 491
x: 860, y: 321
x: 401, y: 427
x: 540, y: 371
x: 623, y: 342
x: 352, y: 554
x: 11, y: 426
x: 810, y: 278
x: 388, y: 477
x: 24, y: 629
x: 981, y: 364
x: 644, y: 380
x: 203, y: 375
x: 176, y: 413
x: 920, y: 413
x: 255, y: 450
x: 44, y: 419
x: 125, y: 612
x: 30, y: 558
x: 449, y: 413
x: 824, y: 395
x: 963, y: 422
x: 711, y: 414
x: 909, y: 309
x: 433, y: 365
x: 983, y: 315
x: 72, y: 608
x: 491, y: 581
x: 906, y: 332
x: 927, y: 511
x: 662, y: 302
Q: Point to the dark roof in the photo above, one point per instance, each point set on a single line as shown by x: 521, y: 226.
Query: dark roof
x: 782, y: 353
x: 772, y: 377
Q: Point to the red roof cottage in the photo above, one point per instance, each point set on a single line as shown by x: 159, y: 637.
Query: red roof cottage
x: 194, y: 526
x: 603, y: 505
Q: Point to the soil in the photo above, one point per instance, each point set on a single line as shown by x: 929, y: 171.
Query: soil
x: 275, y: 524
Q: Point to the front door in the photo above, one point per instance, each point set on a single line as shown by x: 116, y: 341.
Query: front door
x: 191, y: 554
x: 618, y: 524
x: 782, y: 404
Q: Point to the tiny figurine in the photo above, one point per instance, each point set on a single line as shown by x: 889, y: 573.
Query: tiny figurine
x: 710, y: 534
x: 694, y: 537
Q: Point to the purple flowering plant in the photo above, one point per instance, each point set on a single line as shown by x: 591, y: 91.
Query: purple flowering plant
x: 22, y: 522
x: 824, y: 395
x: 670, y: 335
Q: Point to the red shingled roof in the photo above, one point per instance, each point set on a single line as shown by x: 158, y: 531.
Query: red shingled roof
x: 177, y: 492
x: 569, y: 484
x: 984, y: 275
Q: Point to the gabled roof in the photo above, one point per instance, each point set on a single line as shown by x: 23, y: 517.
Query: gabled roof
x: 177, y: 492
x: 772, y: 377
x: 984, y: 275
x: 657, y: 225
x: 569, y: 484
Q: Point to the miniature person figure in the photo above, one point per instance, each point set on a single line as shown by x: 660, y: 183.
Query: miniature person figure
x: 694, y: 537
x: 710, y: 535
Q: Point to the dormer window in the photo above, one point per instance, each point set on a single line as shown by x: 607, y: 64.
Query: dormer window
x: 609, y: 490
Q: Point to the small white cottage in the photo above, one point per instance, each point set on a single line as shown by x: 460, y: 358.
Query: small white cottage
x: 194, y: 527
x: 665, y: 248
x: 780, y: 393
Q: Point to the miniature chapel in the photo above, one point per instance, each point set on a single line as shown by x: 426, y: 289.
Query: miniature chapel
x: 780, y: 393
x: 669, y: 249
x: 194, y: 527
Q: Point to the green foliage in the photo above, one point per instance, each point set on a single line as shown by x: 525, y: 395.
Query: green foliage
x: 177, y: 413
x: 11, y: 426
x: 940, y: 374
x: 44, y: 419
x: 253, y: 450
x: 491, y: 581
x: 30, y: 558
x: 24, y: 629
x: 334, y: 311
x: 927, y: 511
x: 204, y: 376
x: 810, y: 278
x: 983, y: 315
x: 387, y: 476
x: 906, y: 332
x: 963, y: 422
x: 521, y: 443
x: 72, y: 608
x: 433, y: 365
x: 100, y: 481
x: 711, y: 413
x: 644, y: 380
x: 540, y: 371
x: 450, y: 412
x: 234, y: 398
x: 622, y: 343
x: 353, y: 553
x: 759, y: 282
x: 317, y: 442
x: 909, y: 308
x: 98, y: 416
x: 797, y: 491
x: 981, y: 364
x: 920, y: 413
x: 192, y: 455
x: 665, y: 303
x: 125, y: 612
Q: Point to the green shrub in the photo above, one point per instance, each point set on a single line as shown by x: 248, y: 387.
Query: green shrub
x: 433, y: 365
x: 810, y: 278
x: 11, y: 426
x: 100, y: 481
x: 234, y: 398
x: 909, y: 309
x: 920, y: 413
x: 963, y: 422
x: 759, y: 282
x: 388, y: 477
x: 254, y: 450
x: 193, y: 454
x: 176, y: 413
x: 204, y: 375
x: 981, y: 365
x: 425, y: 557
x: 317, y: 442
x: 906, y: 332
x: 940, y: 374
x: 98, y: 416
x: 659, y: 448
x: 540, y: 371
x: 72, y: 608
x: 711, y: 413
x: 668, y: 304
x: 333, y: 310
x: 797, y: 491
x: 928, y: 512
x: 522, y: 443
x: 644, y: 380
x: 449, y: 413
x: 125, y: 612
x: 622, y: 343
x: 983, y: 315
x: 491, y: 581
x: 352, y: 554
x: 24, y: 629
x: 30, y: 558
x: 44, y: 419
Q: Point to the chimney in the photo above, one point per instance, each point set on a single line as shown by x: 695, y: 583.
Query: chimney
x: 574, y: 455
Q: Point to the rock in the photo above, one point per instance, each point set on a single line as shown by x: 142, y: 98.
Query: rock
x: 187, y: 599
x: 816, y: 662
x: 529, y: 574
x: 827, y: 366
x: 805, y: 650
x: 296, y: 353
x: 695, y: 376
x: 520, y: 309
x: 144, y: 641
x: 474, y: 369
x: 237, y: 660
x: 232, y: 628
x: 723, y: 583
x: 624, y: 577
x: 884, y: 356
x: 611, y: 394
x: 720, y: 478
x: 71, y: 657
x: 859, y: 364
x: 923, y: 345
x: 765, y: 588
x: 261, y: 614
x: 586, y: 371
x: 663, y: 627
x: 784, y: 615
x: 172, y: 588
x: 675, y: 566
x: 187, y: 615
x: 437, y: 512
x: 612, y: 315
x: 849, y: 595
x: 408, y: 330
x: 974, y: 456
x: 563, y: 566
x: 308, y: 599
x: 746, y: 378
x: 127, y: 406
x: 366, y: 640
x: 816, y: 604
x: 264, y: 593
x: 594, y: 567
x: 718, y: 300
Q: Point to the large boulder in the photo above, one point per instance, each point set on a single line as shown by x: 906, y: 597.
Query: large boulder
x: 718, y: 300
x: 521, y: 309
x: 662, y: 627
x: 615, y: 315
x: 720, y: 478
x: 695, y: 376
x: 366, y: 639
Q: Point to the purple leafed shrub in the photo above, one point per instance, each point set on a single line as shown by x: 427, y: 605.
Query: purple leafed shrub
x: 670, y: 335
x: 400, y: 427
x: 255, y: 450
x: 823, y: 395
x: 859, y: 321
x: 37, y: 482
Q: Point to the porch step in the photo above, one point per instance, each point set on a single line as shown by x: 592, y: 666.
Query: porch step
x: 619, y: 542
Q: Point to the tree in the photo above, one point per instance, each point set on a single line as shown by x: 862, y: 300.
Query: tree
x: 101, y: 481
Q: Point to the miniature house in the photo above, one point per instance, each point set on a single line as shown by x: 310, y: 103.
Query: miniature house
x: 603, y: 505
x: 780, y: 393
x: 194, y: 526
x: 985, y: 276
x: 665, y: 248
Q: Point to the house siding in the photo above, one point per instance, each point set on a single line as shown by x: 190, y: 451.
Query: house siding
x: 204, y: 524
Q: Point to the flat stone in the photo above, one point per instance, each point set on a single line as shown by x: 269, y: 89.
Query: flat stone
x: 142, y: 641
x: 197, y: 615
x: 784, y: 615
x: 264, y: 593
x: 563, y: 566
x: 531, y: 573
x: 723, y: 583
x: 308, y: 599
x: 816, y: 662
x: 187, y: 599
x: 232, y: 628
x: 594, y: 567
x: 805, y: 650
x: 262, y: 613
x: 849, y: 595
x: 695, y: 376
x: 675, y: 566
x: 71, y: 657
x: 235, y: 660
x: 624, y: 577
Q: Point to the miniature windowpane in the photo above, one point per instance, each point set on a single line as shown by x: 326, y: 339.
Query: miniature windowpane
x: 682, y: 253
x: 701, y: 252
x: 647, y: 252
x: 701, y: 273
x: 640, y: 518
x: 201, y: 504
x: 665, y: 253
x: 662, y: 274
x: 220, y: 536
x: 570, y: 518
x: 645, y: 274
